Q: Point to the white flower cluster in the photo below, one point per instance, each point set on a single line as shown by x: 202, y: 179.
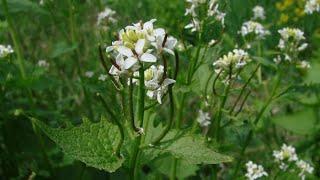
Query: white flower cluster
x: 312, y: 6
x: 5, y: 50
x: 228, y: 64
x: 254, y: 171
x: 304, y: 168
x: 258, y: 13
x: 106, y: 16
x: 252, y: 27
x: 155, y: 82
x: 203, y: 119
x: 213, y: 11
x: 139, y: 43
x: 286, y: 156
x: 43, y: 63
x: 89, y: 74
x: 291, y: 43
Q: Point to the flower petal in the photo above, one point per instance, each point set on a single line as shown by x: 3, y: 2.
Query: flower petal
x: 140, y: 45
x: 128, y: 63
x: 146, y: 57
x: 125, y: 51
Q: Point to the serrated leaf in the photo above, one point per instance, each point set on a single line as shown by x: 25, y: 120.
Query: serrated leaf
x: 194, y: 150
x: 92, y: 143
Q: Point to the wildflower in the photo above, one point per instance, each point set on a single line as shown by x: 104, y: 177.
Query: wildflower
x: 138, y: 43
x: 312, y: 6
x: 89, y: 74
x: 254, y: 171
x: 258, y: 13
x: 286, y: 155
x: 304, y: 168
x: 155, y: 82
x: 102, y: 77
x: 194, y: 25
x: 304, y: 65
x: 214, y: 11
x: 252, y: 27
x: 5, y: 50
x: 203, y: 119
x: 43, y: 63
x: 107, y: 15
x: 236, y: 59
x: 291, y: 42
x: 212, y: 42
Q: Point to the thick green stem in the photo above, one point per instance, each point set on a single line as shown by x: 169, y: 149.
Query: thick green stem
x: 136, y: 151
x: 259, y: 116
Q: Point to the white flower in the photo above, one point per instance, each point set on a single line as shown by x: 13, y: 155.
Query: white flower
x: 43, y: 63
x: 304, y: 168
x: 107, y: 15
x: 258, y: 13
x: 89, y: 74
x: 138, y: 43
x: 212, y: 42
x: 155, y: 83
x: 286, y: 155
x: 312, y: 6
x: 5, y: 50
x: 194, y: 25
x: 294, y: 33
x: 102, y: 77
x: 203, y: 119
x: 291, y: 42
x: 254, y: 171
x: 304, y: 65
x: 255, y: 28
x: 214, y: 11
x: 236, y: 59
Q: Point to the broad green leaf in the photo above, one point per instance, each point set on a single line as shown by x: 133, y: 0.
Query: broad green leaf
x: 193, y: 149
x: 92, y: 143
x: 300, y: 122
x: 313, y: 74
x: 184, y: 169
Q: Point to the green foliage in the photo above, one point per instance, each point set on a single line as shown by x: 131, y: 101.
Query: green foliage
x: 91, y: 143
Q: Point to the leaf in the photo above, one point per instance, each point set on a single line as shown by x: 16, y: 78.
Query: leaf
x: 92, y: 143
x: 194, y: 150
x: 300, y: 122
x: 184, y: 169
x: 24, y: 6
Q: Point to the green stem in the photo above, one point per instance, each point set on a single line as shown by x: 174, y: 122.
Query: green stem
x: 15, y: 39
x: 259, y: 116
x: 243, y: 89
x: 136, y: 151
x: 219, y: 116
x: 131, y: 111
x: 174, y: 169
x: 169, y: 124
